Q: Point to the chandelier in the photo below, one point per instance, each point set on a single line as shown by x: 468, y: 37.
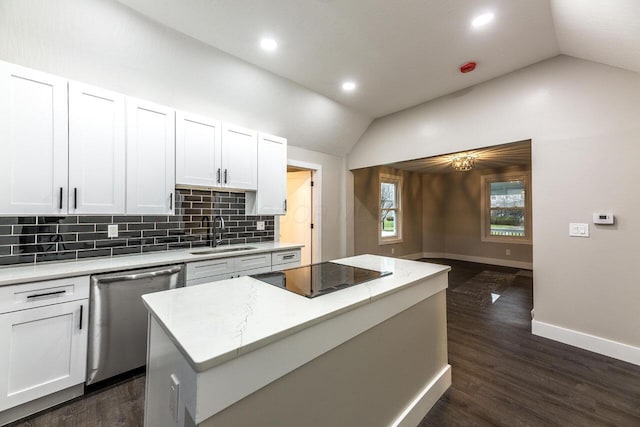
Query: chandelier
x: 463, y: 162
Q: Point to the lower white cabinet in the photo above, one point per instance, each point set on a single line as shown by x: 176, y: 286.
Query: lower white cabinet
x: 214, y: 270
x: 43, y: 351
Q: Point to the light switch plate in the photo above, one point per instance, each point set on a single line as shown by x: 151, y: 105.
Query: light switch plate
x: 578, y: 229
x: 260, y: 225
x: 112, y: 230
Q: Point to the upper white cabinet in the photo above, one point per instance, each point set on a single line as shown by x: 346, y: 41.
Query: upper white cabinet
x: 270, y: 197
x: 198, y: 150
x: 150, y: 158
x: 96, y: 150
x: 239, y: 168
x: 33, y: 142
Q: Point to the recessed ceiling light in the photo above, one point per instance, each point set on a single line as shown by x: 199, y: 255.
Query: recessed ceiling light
x: 348, y: 86
x: 482, y: 20
x: 268, y: 44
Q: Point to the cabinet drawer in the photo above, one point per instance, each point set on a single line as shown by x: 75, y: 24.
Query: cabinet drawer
x: 254, y: 271
x: 213, y: 267
x: 285, y: 257
x: 210, y: 279
x: 38, y: 294
x: 251, y: 262
x: 288, y: 265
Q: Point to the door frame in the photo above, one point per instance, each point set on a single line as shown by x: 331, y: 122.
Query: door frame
x: 316, y: 208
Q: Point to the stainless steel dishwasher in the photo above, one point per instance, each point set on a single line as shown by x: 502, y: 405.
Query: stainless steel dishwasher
x: 118, y: 318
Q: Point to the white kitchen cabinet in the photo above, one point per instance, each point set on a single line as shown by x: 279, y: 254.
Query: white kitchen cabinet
x: 239, y: 157
x: 96, y: 150
x: 271, y: 195
x: 150, y: 158
x: 33, y: 142
x: 198, y: 150
x: 43, y: 351
x: 214, y: 270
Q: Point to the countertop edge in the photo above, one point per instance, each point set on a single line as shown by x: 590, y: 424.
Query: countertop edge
x: 202, y: 366
x: 84, y: 268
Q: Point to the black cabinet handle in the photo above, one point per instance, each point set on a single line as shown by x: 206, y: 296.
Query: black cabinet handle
x: 218, y: 176
x: 225, y: 176
x: 47, y: 294
x: 81, y: 311
x: 288, y: 256
x: 170, y: 201
x: 285, y: 205
x: 75, y: 198
x: 60, y: 207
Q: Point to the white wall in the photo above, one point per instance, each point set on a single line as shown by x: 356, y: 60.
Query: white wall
x: 104, y: 43
x: 333, y: 208
x: 584, y: 122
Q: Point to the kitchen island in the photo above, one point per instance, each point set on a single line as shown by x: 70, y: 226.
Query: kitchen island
x: 243, y: 352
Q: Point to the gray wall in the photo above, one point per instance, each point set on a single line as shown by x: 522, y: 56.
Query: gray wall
x: 367, y: 202
x: 460, y: 196
x: 582, y: 119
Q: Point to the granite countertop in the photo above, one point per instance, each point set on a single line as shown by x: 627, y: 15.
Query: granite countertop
x: 214, y: 323
x: 59, y: 270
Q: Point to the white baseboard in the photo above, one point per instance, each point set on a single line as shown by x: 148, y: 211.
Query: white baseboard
x: 617, y: 350
x: 481, y: 260
x: 413, y: 256
x: 424, y: 401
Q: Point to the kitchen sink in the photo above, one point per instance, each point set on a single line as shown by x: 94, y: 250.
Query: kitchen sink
x: 221, y: 250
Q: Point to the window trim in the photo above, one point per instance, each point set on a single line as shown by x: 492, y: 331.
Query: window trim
x: 397, y: 180
x: 486, y: 207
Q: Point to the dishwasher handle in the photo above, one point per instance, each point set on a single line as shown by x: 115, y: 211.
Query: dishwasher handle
x: 145, y: 275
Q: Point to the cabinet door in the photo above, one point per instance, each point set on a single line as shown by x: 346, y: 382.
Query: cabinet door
x: 239, y: 157
x: 43, y: 350
x: 272, y: 175
x: 96, y: 151
x: 33, y: 142
x: 197, y: 150
x: 150, y: 158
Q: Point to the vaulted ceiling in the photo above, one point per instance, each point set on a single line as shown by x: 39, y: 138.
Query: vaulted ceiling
x: 402, y: 53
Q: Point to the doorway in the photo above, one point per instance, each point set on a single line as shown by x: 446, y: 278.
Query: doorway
x: 301, y: 223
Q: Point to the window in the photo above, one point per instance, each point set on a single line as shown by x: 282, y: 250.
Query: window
x: 506, y: 208
x: 390, y: 218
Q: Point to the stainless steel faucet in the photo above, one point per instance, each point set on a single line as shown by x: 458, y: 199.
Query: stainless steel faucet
x: 215, y: 242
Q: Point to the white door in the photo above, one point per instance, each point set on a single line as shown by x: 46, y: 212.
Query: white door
x: 239, y: 157
x: 150, y: 158
x: 96, y: 150
x: 33, y: 142
x: 295, y: 225
x: 272, y: 175
x: 197, y: 150
x: 43, y: 350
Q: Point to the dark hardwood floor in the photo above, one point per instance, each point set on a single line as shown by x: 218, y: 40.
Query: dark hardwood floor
x: 502, y: 375
x: 505, y: 376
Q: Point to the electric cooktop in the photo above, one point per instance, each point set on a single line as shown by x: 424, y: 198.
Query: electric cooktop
x: 319, y: 279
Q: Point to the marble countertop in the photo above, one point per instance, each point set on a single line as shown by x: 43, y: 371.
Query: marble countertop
x: 216, y: 322
x: 59, y: 270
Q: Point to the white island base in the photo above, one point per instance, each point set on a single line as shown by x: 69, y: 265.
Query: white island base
x: 245, y: 353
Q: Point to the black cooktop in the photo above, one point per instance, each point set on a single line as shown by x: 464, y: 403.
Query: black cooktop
x: 318, y: 279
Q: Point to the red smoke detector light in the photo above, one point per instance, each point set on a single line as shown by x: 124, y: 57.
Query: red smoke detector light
x: 468, y: 67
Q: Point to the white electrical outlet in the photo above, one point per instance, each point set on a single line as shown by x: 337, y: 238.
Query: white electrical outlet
x: 260, y: 225
x: 112, y: 230
x: 578, y: 229
x: 507, y: 252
